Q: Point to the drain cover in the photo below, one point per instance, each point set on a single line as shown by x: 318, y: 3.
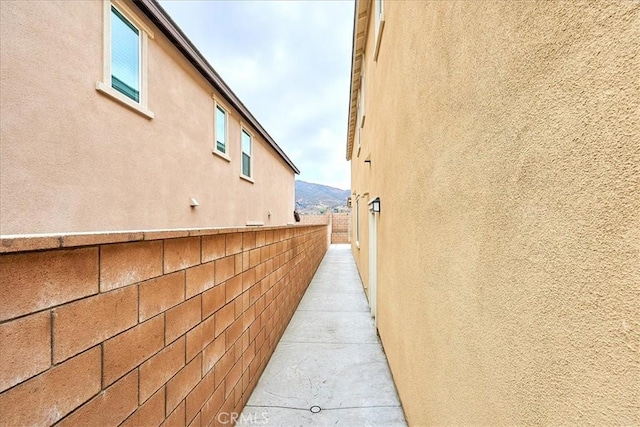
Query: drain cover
x: 315, y: 409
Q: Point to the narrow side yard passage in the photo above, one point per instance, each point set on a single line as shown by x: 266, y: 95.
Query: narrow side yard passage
x: 329, y: 367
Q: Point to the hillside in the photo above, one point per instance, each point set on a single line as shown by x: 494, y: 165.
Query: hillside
x: 318, y: 199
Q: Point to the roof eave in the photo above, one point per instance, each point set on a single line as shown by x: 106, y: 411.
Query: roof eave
x: 360, y: 26
x: 170, y: 29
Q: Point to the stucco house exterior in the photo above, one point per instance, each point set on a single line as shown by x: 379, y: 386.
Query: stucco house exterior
x: 135, y: 286
x: 112, y: 120
x: 495, y: 160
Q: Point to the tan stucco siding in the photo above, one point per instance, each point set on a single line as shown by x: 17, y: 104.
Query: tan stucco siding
x: 73, y: 159
x: 504, y: 140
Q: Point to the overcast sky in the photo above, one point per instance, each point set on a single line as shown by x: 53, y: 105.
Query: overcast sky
x: 289, y: 62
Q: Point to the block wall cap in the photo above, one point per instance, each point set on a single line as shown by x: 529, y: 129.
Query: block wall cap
x: 10, y: 243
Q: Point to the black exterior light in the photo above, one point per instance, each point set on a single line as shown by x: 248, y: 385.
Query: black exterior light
x: 374, y: 205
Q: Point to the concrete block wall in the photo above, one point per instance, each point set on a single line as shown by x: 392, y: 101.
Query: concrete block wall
x: 145, y: 328
x: 341, y: 227
x: 310, y: 219
x: 340, y: 224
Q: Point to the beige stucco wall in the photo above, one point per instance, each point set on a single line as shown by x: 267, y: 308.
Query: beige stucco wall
x: 505, y: 147
x: 72, y: 159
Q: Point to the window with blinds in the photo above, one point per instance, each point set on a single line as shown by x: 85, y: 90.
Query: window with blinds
x: 125, y: 56
x: 221, y: 130
x: 246, y: 154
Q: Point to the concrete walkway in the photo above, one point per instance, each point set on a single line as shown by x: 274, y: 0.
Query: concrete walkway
x: 329, y: 367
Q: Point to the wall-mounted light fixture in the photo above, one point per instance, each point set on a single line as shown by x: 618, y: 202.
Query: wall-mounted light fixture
x: 374, y: 205
x: 368, y: 161
x: 193, y: 202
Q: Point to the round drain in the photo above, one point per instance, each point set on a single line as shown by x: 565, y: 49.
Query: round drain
x: 315, y: 409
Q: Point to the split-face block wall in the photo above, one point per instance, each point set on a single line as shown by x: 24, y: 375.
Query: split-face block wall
x: 148, y: 327
x: 339, y: 223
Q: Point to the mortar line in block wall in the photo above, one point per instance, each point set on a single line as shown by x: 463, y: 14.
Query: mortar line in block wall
x: 102, y: 380
x: 286, y: 286
x: 137, y: 368
x: 99, y: 267
x: 184, y: 288
x: 184, y: 402
x: 51, y: 308
x: 163, y: 264
x: 138, y: 306
x: 52, y: 338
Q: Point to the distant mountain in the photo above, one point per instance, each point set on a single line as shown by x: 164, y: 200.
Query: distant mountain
x: 319, y: 199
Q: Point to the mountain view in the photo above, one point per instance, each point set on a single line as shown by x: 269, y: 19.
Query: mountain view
x: 319, y: 199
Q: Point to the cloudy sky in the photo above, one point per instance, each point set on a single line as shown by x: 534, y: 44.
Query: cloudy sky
x: 289, y: 62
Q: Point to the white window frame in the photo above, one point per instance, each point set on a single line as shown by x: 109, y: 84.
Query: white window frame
x: 251, y: 168
x: 379, y: 17
x: 358, y: 127
x: 145, y: 33
x: 227, y: 146
x: 358, y: 222
x: 362, y: 93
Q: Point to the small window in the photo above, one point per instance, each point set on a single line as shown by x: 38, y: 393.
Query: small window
x: 379, y: 26
x: 246, y: 154
x: 358, y: 221
x: 362, y: 94
x: 362, y: 113
x: 125, y: 45
x: 125, y: 56
x: 358, y: 126
x: 221, y: 130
